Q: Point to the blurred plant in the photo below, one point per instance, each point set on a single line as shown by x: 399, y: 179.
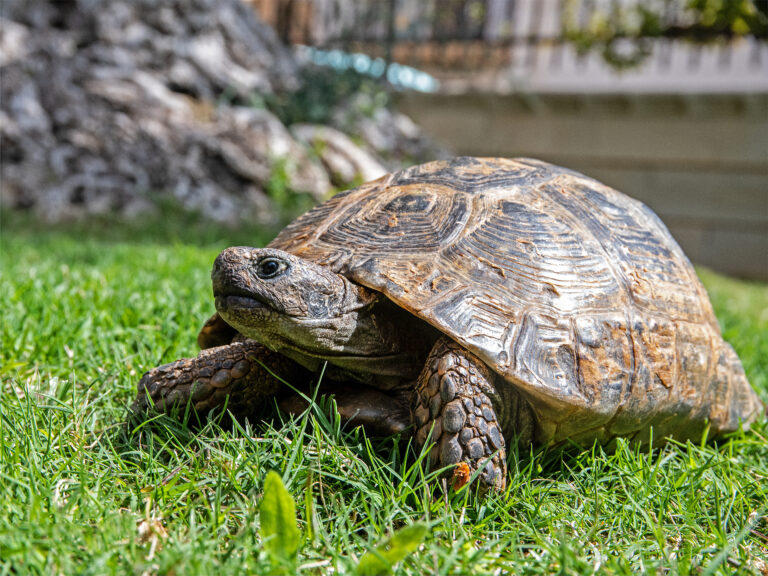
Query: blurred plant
x: 624, y: 32
x: 283, y: 539
x: 382, y: 559
x: 288, y: 202
x: 321, y: 91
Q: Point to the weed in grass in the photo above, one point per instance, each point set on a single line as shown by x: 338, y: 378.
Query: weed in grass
x: 86, y: 490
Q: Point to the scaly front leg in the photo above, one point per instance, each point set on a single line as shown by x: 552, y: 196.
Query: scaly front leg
x: 452, y: 400
x: 237, y: 375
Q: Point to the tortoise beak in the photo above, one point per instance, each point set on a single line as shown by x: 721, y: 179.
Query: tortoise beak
x: 233, y: 281
x: 230, y: 274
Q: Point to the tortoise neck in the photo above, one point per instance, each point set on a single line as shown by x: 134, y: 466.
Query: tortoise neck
x: 373, y: 341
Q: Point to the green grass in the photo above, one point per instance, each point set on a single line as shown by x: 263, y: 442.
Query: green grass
x: 83, y: 491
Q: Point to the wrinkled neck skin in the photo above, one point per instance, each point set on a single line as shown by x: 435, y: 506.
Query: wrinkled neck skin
x: 313, y: 315
x: 373, y: 343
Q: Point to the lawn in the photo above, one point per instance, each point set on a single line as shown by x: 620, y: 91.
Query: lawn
x: 84, y: 490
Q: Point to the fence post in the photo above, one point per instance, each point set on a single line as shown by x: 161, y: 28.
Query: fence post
x: 391, y: 18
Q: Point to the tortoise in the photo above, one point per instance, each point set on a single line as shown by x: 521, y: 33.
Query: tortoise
x: 474, y: 302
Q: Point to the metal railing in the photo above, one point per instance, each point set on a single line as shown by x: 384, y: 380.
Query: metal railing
x: 472, y: 34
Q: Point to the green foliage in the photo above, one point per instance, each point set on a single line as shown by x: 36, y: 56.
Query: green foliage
x: 742, y: 309
x: 731, y: 17
x: 382, y: 559
x: 282, y: 538
x: 320, y: 92
x: 278, y: 521
x: 171, y: 224
x: 88, y: 490
x: 289, y: 203
x: 624, y: 32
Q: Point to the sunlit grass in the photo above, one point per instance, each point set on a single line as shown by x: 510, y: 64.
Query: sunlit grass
x: 83, y: 316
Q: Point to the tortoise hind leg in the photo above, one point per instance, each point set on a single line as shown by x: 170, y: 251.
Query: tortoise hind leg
x: 378, y: 413
x: 452, y: 400
x: 238, y: 376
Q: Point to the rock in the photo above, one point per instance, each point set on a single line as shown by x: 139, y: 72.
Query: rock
x: 110, y: 110
x: 119, y: 110
x: 390, y: 135
x: 14, y: 41
x: 344, y: 160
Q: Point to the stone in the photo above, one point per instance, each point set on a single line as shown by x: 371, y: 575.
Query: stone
x: 149, y: 103
x: 344, y: 160
x: 389, y: 134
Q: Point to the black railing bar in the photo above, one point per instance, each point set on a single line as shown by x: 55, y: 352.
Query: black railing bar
x: 531, y: 39
x: 756, y: 58
x: 532, y: 56
x: 390, y: 39
x: 694, y: 55
x: 724, y: 55
x: 556, y: 59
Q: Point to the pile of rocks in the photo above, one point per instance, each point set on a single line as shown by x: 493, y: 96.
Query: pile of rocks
x: 119, y: 106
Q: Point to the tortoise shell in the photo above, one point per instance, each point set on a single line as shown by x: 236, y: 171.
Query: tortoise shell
x: 571, y: 291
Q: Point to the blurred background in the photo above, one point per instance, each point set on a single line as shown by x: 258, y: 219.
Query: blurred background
x: 247, y: 113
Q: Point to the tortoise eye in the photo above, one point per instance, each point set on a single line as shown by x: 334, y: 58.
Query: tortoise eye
x: 270, y: 267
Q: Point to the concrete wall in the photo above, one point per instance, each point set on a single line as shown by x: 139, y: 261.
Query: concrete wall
x: 701, y: 162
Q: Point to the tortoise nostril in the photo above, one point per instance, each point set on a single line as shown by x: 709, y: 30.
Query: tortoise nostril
x: 232, y: 257
x: 232, y: 269
x: 223, y: 268
x: 219, y: 265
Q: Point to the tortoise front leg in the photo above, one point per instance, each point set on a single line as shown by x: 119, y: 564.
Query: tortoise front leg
x: 452, y: 400
x: 233, y: 375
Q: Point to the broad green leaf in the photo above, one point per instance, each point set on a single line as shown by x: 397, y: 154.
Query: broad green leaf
x: 382, y: 559
x: 278, y: 520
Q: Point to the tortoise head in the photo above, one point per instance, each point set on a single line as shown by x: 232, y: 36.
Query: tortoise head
x: 282, y: 300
